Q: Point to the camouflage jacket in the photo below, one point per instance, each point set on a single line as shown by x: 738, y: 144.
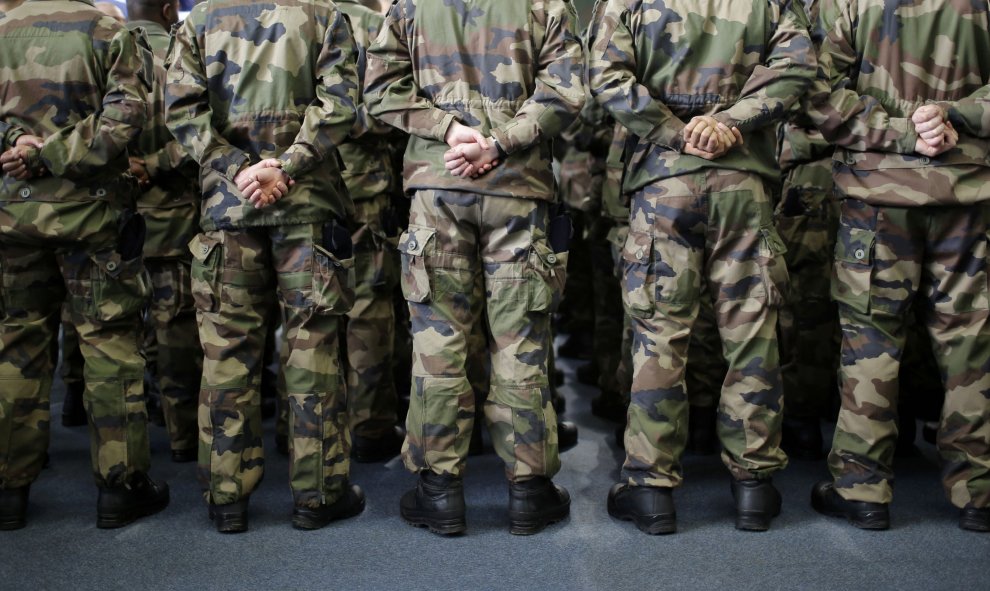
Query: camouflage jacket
x: 75, y: 78
x: 249, y: 80
x: 883, y: 60
x: 655, y: 64
x: 368, y: 170
x: 170, y: 203
x: 800, y: 140
x: 511, y: 69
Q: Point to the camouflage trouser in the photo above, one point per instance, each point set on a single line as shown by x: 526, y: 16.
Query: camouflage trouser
x: 371, y: 397
x: 607, y: 300
x: 577, y: 313
x: 807, y: 218
x: 711, y: 227
x: 72, y: 359
x: 624, y: 370
x: 232, y: 275
x: 105, y: 298
x: 452, y: 238
x: 180, y: 358
x: 888, y: 259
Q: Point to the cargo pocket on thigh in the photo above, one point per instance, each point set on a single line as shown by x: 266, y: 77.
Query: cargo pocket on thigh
x: 639, y: 283
x: 773, y: 266
x: 415, y: 277
x: 853, y: 268
x: 120, y: 287
x: 205, y: 272
x: 333, y: 282
x: 545, y: 278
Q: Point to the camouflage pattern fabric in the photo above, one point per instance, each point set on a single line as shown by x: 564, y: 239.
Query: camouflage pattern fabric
x: 72, y: 359
x: 654, y: 64
x: 369, y: 176
x: 436, y: 62
x: 231, y: 277
x: 60, y: 233
x: 523, y: 279
x: 291, y: 96
x: 889, y: 259
x: 712, y: 227
x: 893, y: 249
x: 282, y: 100
x: 880, y: 64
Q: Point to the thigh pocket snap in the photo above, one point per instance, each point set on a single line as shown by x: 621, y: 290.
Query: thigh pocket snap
x: 415, y: 276
x: 120, y: 287
x: 206, y: 271
x: 853, y: 268
x: 639, y: 280
x: 546, y: 276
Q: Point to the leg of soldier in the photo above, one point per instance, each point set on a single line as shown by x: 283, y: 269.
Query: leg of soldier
x: 704, y: 374
x: 524, y: 279
x: 747, y: 276
x: 921, y: 394
x: 478, y: 366
x: 180, y: 357
x: 808, y: 324
x: 877, y: 273
x: 577, y: 318
x: 107, y: 296
x: 231, y: 278
x: 73, y: 409
x: 956, y: 277
x: 30, y: 313
x: 607, y: 299
x: 624, y: 371
x: 440, y: 268
x: 316, y: 289
x: 371, y: 397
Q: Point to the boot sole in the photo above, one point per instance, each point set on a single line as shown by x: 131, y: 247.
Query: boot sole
x: 12, y: 524
x: 753, y: 522
x: 870, y: 522
x: 654, y: 525
x: 309, y: 521
x: 115, y: 520
x: 524, y: 524
x: 966, y: 524
x: 444, y: 527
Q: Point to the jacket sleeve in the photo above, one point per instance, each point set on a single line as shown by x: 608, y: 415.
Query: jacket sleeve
x: 188, y: 114
x: 613, y: 82
x: 329, y: 119
x: 9, y: 134
x: 971, y: 115
x: 781, y: 81
x: 83, y: 151
x: 390, y: 90
x: 559, y: 91
x: 845, y: 117
x: 169, y: 158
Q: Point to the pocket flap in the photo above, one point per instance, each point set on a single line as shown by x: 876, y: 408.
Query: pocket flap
x: 638, y: 248
x: 414, y: 240
x: 855, y: 246
x: 773, y: 241
x: 201, y: 246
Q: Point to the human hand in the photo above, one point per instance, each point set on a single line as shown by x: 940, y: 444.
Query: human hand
x: 725, y: 138
x: 139, y: 170
x: 471, y: 159
x: 931, y: 123
x: 459, y: 133
x: 263, y: 183
x: 947, y: 141
x: 16, y: 162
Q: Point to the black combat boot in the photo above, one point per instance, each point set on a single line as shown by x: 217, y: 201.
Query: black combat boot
x: 651, y: 508
x: 367, y: 450
x: 567, y: 435
x: 972, y: 519
x: 827, y: 501
x: 13, y: 508
x: 757, y: 503
x: 535, y: 504
x: 437, y: 502
x: 121, y: 505
x: 73, y: 409
x: 349, y: 504
x: 231, y: 518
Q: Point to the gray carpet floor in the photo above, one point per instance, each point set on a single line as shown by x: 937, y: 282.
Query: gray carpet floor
x: 178, y: 549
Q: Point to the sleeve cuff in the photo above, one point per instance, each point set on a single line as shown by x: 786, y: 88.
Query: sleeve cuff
x: 669, y: 134
x: 907, y: 137
x: 10, y: 138
x: 440, y: 129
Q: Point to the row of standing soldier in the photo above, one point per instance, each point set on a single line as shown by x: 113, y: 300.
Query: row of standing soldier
x: 262, y: 104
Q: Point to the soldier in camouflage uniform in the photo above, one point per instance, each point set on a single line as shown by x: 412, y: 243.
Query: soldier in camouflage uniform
x: 510, y: 70
x: 368, y: 174
x: 701, y: 213
x: 169, y: 204
x: 909, y: 114
x: 807, y: 219
x: 261, y: 94
x: 68, y: 228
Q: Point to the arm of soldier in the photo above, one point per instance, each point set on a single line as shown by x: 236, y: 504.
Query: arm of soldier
x: 845, y: 117
x: 613, y: 83
x: 780, y: 82
x: 9, y: 134
x: 329, y: 118
x: 83, y: 150
x: 559, y: 92
x: 170, y: 157
x: 971, y: 115
x: 390, y: 89
x: 188, y: 114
